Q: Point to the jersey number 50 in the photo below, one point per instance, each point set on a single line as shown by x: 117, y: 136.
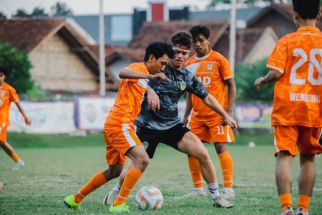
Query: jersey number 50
x: 313, y: 63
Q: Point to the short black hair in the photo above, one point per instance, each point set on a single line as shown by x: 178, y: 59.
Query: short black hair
x: 3, y: 70
x: 182, y: 38
x: 158, y: 49
x: 307, y: 9
x: 200, y: 29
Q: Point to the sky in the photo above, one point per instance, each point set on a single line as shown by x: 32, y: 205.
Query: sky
x: 79, y: 7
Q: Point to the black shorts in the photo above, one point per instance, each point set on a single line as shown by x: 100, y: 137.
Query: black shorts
x: 170, y: 137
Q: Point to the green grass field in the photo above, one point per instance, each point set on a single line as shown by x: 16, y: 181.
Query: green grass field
x: 58, y: 165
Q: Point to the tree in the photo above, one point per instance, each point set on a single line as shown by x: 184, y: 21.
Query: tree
x: 2, y: 16
x: 61, y: 9
x: 39, y: 12
x: 18, y: 66
x: 21, y: 13
x: 245, y: 77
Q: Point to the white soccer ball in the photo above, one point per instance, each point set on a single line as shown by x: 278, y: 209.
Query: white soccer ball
x: 251, y: 144
x: 149, y: 198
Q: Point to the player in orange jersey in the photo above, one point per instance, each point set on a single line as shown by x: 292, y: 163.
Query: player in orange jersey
x: 119, y: 134
x: 7, y: 95
x: 295, y: 65
x: 213, y: 71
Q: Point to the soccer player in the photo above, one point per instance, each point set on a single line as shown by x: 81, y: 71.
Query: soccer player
x: 295, y: 65
x: 7, y: 95
x: 163, y: 125
x: 119, y: 134
x: 214, y: 72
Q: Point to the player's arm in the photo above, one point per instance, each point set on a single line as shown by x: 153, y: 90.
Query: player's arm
x: 231, y: 95
x: 152, y: 98
x: 188, y: 109
x: 27, y: 120
x: 271, y: 76
x: 131, y: 74
x: 212, y: 103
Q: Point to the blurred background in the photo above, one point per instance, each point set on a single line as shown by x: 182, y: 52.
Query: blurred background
x: 52, y: 51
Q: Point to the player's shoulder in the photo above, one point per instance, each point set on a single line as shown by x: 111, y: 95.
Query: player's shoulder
x: 216, y: 56
x: 137, y: 66
x: 7, y: 86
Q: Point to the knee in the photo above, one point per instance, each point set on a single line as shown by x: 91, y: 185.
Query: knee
x: 203, y: 156
x: 142, y: 162
x: 112, y: 173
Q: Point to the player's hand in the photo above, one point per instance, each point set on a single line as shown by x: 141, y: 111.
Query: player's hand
x: 258, y: 83
x: 228, y: 120
x: 27, y: 121
x: 153, y: 100
x: 159, y: 77
x: 185, y: 120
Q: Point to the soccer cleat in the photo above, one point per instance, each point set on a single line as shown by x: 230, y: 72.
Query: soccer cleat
x: 228, y: 194
x: 122, y: 208
x: 111, y: 197
x: 220, y: 202
x: 288, y: 211
x: 18, y: 165
x: 69, y: 201
x: 196, y: 192
x: 300, y: 211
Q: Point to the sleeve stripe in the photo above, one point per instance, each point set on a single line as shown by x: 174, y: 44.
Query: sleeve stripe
x: 275, y: 68
x: 228, y: 77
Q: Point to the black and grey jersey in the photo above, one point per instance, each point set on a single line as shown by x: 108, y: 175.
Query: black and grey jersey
x: 169, y: 92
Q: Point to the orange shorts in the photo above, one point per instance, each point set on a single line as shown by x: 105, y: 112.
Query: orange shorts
x: 3, y: 133
x: 118, y: 141
x: 296, y: 139
x: 211, y: 130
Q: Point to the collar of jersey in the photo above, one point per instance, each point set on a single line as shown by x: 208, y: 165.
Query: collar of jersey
x: 308, y: 29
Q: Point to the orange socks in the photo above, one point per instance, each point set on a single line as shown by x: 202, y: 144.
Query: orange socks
x: 304, y: 202
x: 131, y: 178
x: 285, y: 201
x: 95, y: 182
x: 195, y: 172
x: 226, y: 163
x: 15, y: 157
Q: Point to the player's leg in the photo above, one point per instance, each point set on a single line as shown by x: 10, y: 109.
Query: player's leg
x: 9, y: 150
x: 1, y: 186
x: 95, y: 182
x: 202, y: 132
x: 150, y: 141
x: 140, y: 160
x: 308, y: 147
x: 115, y: 150
x: 221, y: 136
x: 285, y: 139
x: 191, y: 145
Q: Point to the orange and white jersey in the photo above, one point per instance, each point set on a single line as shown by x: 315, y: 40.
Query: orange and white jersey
x: 212, y: 70
x: 297, y: 94
x: 128, y: 101
x: 7, y: 95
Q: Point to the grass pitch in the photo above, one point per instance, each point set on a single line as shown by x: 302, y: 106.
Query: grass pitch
x: 58, y: 165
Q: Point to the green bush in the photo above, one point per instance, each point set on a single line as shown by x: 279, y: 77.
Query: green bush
x: 245, y: 76
x: 18, y: 65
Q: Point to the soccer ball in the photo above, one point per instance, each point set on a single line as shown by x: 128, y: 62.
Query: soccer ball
x: 149, y: 198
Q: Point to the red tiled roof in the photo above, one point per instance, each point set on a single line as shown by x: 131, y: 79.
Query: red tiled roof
x: 285, y: 10
x: 245, y: 41
x: 26, y: 34
x: 114, y: 52
x: 161, y: 31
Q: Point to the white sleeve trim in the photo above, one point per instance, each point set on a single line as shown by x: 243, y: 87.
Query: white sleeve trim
x: 275, y: 68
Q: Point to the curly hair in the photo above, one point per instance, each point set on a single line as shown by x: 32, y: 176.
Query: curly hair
x: 182, y: 38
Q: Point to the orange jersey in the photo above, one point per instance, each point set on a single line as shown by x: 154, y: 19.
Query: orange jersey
x: 212, y: 70
x: 297, y: 94
x: 128, y: 101
x: 7, y: 95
